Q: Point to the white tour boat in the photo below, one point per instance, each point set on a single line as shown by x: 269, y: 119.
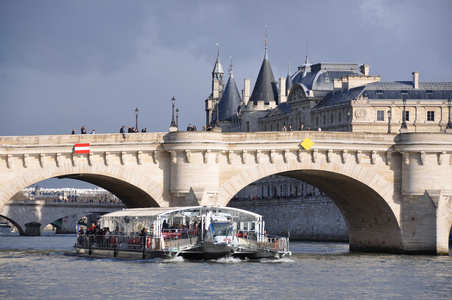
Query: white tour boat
x: 200, y: 232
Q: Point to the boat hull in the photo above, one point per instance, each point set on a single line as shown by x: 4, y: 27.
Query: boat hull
x: 207, y: 251
x: 124, y: 254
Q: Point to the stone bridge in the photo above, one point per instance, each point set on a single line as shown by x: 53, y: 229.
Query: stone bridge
x: 393, y: 190
x: 30, y: 217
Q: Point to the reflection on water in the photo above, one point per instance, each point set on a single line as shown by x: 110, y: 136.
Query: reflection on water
x: 45, y: 267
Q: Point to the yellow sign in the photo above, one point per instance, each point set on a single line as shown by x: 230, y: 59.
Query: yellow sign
x: 307, y: 144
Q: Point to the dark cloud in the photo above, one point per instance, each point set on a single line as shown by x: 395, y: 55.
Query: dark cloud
x: 64, y: 64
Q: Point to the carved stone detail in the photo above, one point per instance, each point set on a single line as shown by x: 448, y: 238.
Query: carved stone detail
x: 155, y: 157
x: 244, y: 154
x: 406, y: 158
x: 286, y: 155
x: 373, y: 157
x: 329, y: 155
x: 173, y: 156
x: 314, y: 155
x: 300, y: 152
x: 58, y: 159
x: 107, y: 158
x: 422, y: 157
x: 140, y: 157
x: 9, y: 161
x: 358, y: 156
x: 230, y: 153
x: 90, y: 158
x: 258, y: 156
x: 272, y: 156
x: 206, y: 156
x: 344, y: 156
x: 42, y: 160
x: 26, y: 161
x: 123, y: 158
x: 441, y: 157
x: 188, y: 155
x: 74, y: 159
x: 388, y: 158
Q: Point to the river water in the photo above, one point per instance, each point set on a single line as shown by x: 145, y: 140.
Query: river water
x: 45, y: 267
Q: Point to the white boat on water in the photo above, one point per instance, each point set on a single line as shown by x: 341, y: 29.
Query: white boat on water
x: 200, y: 232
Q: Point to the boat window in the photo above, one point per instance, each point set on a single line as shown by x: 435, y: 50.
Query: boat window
x: 220, y: 229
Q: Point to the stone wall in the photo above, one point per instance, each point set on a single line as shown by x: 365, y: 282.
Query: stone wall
x: 311, y: 219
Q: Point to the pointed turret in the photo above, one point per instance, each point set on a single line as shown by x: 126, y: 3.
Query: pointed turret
x: 217, y: 76
x: 289, y: 82
x: 231, y: 100
x: 265, y: 88
x: 217, y: 88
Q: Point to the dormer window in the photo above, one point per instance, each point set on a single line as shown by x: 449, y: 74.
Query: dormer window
x: 404, y: 92
x: 379, y: 92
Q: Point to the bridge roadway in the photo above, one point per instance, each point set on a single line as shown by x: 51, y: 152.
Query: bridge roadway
x: 393, y: 190
x: 31, y: 216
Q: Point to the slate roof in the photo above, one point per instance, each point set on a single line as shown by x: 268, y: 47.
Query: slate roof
x: 265, y: 88
x: 230, y: 102
x: 281, y: 109
x: 388, y: 90
x: 321, y: 75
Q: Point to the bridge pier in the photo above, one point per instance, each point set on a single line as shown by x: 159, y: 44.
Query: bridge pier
x: 32, y: 229
x: 68, y: 225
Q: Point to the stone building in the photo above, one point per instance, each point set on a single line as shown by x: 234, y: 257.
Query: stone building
x: 322, y: 96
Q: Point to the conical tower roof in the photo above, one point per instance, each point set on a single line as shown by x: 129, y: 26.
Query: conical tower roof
x: 230, y: 101
x: 265, y: 88
x: 218, y: 69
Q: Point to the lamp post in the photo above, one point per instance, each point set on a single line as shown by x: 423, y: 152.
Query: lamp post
x: 449, y: 124
x: 389, y: 121
x: 136, y: 118
x: 173, y: 123
x: 177, y: 117
x: 404, y: 115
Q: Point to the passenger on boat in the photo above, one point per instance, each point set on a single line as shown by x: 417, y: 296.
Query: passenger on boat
x: 107, y: 236
x: 143, y: 235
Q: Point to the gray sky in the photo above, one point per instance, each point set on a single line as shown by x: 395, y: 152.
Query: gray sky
x: 64, y: 64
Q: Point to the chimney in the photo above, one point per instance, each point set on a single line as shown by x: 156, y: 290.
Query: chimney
x: 365, y: 69
x: 416, y: 79
x: 246, y: 92
x: 282, y: 90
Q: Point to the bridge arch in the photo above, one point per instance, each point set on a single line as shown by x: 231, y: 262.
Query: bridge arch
x: 17, y: 225
x: 365, y: 199
x: 135, y: 190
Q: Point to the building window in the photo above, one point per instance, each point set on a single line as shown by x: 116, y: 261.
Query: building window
x: 407, y: 115
x: 379, y: 92
x: 331, y: 118
x: 340, y: 117
x: 380, y: 115
x: 324, y: 120
x: 430, y: 116
x: 317, y: 121
x: 404, y: 92
x: 247, y: 126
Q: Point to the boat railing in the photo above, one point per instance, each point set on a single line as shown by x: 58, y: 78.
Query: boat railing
x: 136, y: 242
x: 277, y: 243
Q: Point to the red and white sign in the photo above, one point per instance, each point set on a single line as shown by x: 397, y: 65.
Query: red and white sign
x: 81, y: 148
